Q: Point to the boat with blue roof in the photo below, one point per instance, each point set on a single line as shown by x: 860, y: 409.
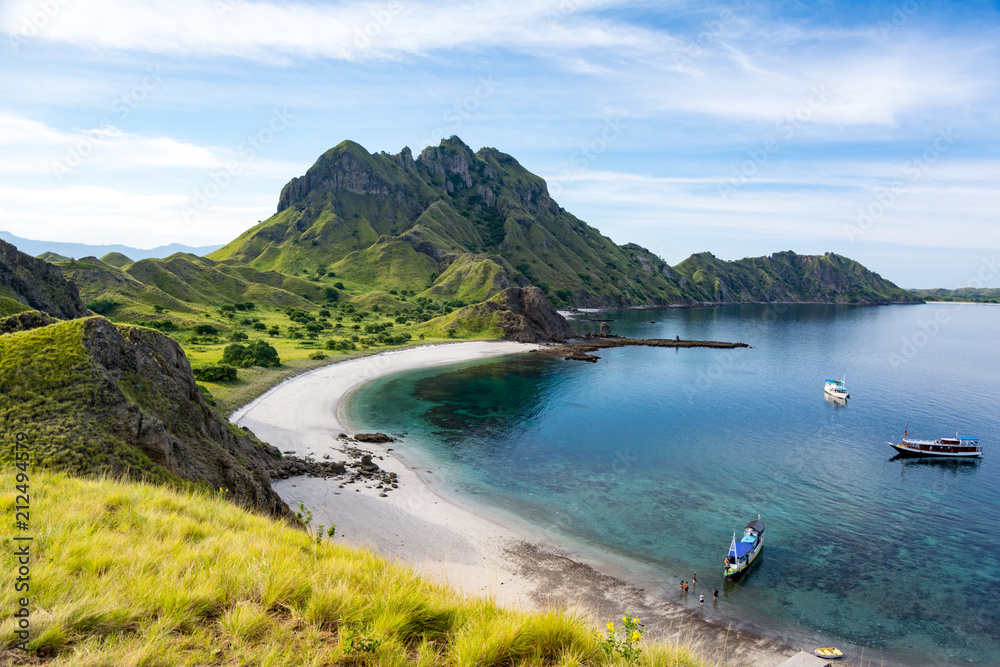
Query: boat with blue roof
x: 742, y: 553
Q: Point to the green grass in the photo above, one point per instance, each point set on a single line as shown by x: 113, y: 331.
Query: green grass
x: 9, y: 306
x: 136, y: 574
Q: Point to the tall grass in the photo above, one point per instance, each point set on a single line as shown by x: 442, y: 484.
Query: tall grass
x: 135, y: 574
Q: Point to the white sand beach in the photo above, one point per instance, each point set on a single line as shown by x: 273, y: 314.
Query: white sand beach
x: 462, y: 546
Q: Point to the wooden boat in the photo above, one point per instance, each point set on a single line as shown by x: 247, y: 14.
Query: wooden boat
x: 961, y: 446
x: 832, y: 653
x: 743, y: 553
x: 836, y: 388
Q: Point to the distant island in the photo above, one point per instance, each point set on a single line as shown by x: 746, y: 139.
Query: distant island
x: 963, y: 294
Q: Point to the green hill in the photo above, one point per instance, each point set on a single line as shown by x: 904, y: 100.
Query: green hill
x: 185, y: 285
x: 52, y: 257
x: 116, y: 259
x: 964, y: 294
x: 457, y: 225
x: 786, y: 276
x: 451, y: 224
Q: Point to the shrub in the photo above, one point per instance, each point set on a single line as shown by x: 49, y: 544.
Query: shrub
x: 317, y: 355
x: 215, y: 373
x: 255, y: 353
x: 330, y: 294
x: 205, y: 330
x: 237, y: 335
x: 101, y: 306
x: 339, y: 285
x: 259, y: 326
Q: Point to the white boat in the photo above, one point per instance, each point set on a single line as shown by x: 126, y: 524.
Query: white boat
x: 836, y: 389
x: 961, y: 446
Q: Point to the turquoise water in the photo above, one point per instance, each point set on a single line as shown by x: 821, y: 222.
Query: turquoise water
x: 658, y: 455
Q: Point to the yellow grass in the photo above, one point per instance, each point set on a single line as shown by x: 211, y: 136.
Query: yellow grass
x: 135, y: 574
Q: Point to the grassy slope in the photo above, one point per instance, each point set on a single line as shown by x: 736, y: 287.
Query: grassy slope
x: 133, y: 574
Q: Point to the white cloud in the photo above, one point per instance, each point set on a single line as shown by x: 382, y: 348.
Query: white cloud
x: 30, y: 147
x: 941, y: 209
x: 747, y: 67
x: 90, y: 214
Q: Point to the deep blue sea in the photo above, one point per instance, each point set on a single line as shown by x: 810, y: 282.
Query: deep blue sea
x: 653, y: 457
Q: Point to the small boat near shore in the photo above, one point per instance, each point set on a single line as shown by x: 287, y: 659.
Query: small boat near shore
x: 743, y: 553
x: 836, y: 388
x: 961, y: 446
x: 829, y: 653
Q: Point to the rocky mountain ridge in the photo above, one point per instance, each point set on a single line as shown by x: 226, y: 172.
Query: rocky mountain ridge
x: 452, y: 220
x: 28, y: 283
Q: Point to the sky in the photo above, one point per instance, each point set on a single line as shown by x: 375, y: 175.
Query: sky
x: 743, y: 127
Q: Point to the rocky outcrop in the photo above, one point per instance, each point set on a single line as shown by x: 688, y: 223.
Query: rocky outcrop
x: 38, y: 284
x: 99, y: 399
x: 167, y: 420
x: 25, y: 321
x: 526, y: 316
x: 349, y: 168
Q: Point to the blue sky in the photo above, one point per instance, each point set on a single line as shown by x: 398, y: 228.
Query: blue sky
x: 743, y: 128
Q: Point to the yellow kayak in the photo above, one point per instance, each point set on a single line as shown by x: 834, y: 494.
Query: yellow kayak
x: 829, y: 653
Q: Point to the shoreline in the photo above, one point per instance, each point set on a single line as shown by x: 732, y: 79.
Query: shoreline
x: 453, y: 540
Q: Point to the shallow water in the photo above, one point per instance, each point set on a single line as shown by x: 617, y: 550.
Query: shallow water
x: 660, y: 454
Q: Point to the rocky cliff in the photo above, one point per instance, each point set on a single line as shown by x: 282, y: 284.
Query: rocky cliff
x: 526, y: 316
x: 35, y: 285
x: 94, y: 398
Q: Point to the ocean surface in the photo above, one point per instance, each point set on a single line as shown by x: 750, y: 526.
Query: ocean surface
x: 651, y: 458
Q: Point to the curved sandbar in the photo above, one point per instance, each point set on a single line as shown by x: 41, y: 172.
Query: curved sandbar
x: 442, y: 539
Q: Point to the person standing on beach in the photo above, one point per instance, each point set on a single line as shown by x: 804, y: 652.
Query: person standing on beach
x: 715, y: 594
x: 694, y: 580
x: 682, y: 585
x: 702, y: 599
